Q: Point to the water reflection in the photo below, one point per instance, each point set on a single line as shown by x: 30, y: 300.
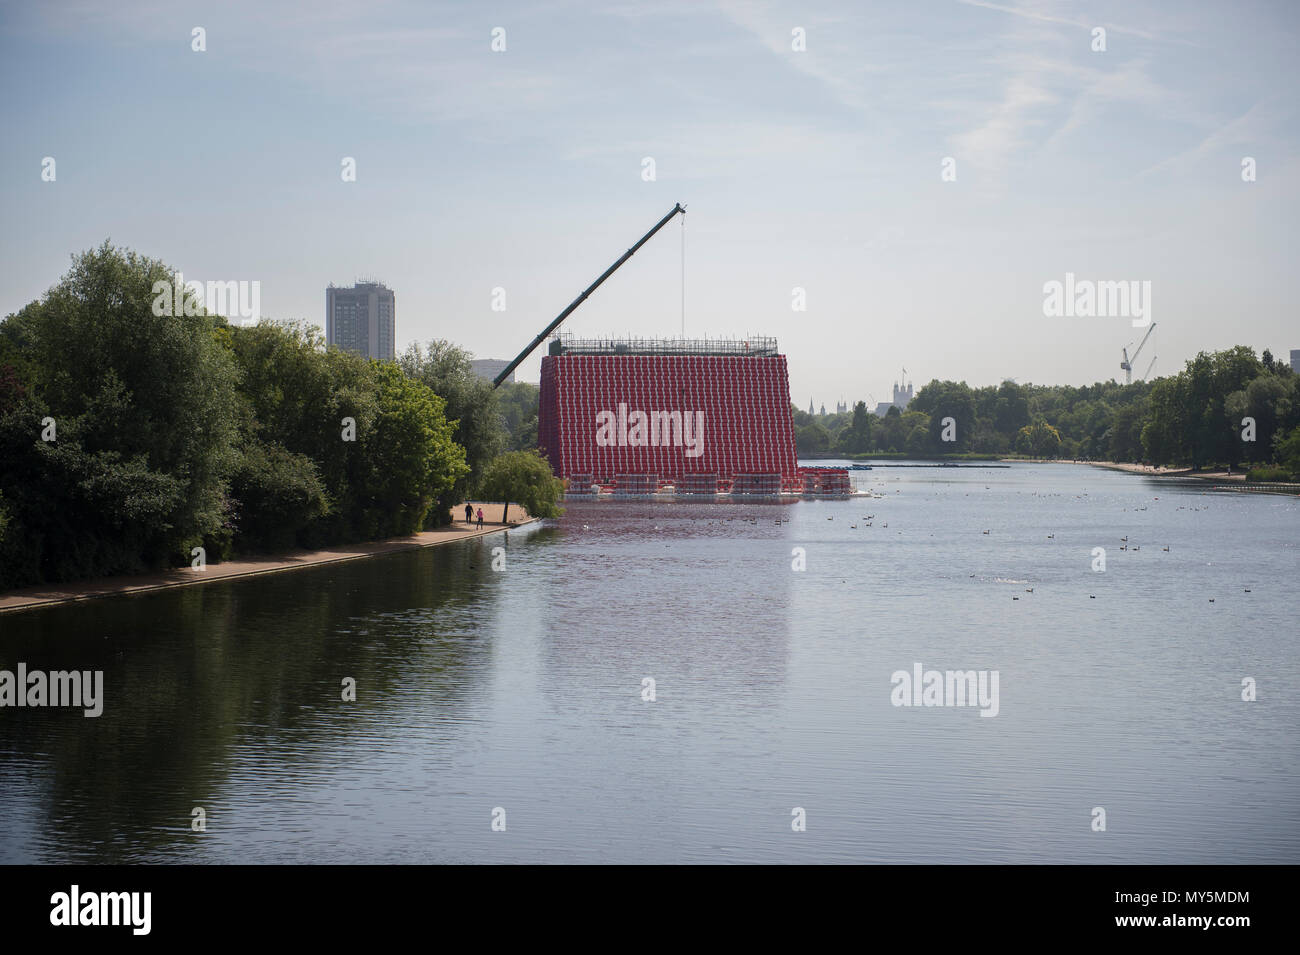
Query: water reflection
x: 524, y: 688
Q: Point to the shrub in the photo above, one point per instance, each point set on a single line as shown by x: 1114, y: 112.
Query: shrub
x: 1268, y: 474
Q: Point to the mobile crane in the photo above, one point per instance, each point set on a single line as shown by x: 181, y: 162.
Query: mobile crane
x: 583, y: 297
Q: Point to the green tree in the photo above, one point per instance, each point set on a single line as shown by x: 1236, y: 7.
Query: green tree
x: 523, y: 477
x: 947, y: 399
x: 518, y: 402
x: 1125, y: 435
x: 1012, y: 408
x: 1267, y: 399
x: 144, y: 411
x: 471, y: 401
x: 1039, y: 439
x: 279, y: 495
x: 892, y: 434
x: 471, y: 407
x: 1166, y: 436
x: 918, y: 441
x: 1189, y: 415
x: 296, y: 396
x: 1288, y: 451
x: 1230, y: 370
x: 857, y: 436
x: 411, y: 456
x: 811, y: 438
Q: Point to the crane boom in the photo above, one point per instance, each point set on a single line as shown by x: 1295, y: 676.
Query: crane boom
x: 1144, y: 341
x: 583, y: 297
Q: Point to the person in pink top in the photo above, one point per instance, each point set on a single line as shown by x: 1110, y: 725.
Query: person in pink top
x: 480, y: 517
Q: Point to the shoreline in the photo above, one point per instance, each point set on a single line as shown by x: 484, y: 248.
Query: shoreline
x: 1234, y: 480
x: 50, y: 595
x: 1157, y: 471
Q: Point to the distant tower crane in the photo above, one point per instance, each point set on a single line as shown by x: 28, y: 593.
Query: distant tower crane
x: 1127, y: 363
x: 1147, y: 376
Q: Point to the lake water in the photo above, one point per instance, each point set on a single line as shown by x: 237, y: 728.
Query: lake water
x: 521, y: 689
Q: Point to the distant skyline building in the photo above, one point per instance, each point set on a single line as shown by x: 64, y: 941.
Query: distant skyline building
x: 1295, y: 360
x: 489, y: 368
x: 362, y: 319
x: 902, y: 398
x: 903, y: 394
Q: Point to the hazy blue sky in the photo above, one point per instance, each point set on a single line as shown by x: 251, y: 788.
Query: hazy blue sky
x: 818, y: 169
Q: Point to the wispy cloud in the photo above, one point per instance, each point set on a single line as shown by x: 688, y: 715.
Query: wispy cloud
x: 1006, y: 126
x: 841, y: 71
x: 1053, y: 87
x: 1251, y: 129
x: 1032, y: 13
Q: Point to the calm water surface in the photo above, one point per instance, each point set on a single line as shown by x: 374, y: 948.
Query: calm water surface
x: 522, y: 689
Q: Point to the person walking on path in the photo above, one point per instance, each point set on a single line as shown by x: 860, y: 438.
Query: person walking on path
x: 469, y: 513
x: 480, y: 518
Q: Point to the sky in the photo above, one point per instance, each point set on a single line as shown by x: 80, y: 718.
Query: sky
x: 920, y: 170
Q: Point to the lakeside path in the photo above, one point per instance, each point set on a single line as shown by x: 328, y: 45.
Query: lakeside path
x: 47, y: 595
x: 1166, y: 472
x: 1218, y: 477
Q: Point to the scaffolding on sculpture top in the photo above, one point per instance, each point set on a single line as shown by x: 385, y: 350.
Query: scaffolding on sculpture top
x: 758, y: 346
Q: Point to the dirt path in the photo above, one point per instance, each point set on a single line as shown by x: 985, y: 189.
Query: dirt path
x: 49, y: 594
x: 1237, y: 474
x: 1145, y: 469
x: 1220, y: 478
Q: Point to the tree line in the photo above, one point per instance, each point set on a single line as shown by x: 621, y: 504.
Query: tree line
x: 129, y: 440
x: 1228, y: 407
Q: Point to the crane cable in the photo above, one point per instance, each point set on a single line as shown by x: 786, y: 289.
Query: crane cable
x: 683, y: 276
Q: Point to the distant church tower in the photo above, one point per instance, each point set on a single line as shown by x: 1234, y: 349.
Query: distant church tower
x: 810, y: 407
